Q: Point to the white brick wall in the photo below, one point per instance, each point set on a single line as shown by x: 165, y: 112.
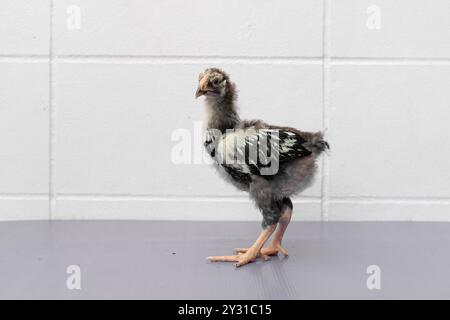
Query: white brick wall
x: 88, y: 106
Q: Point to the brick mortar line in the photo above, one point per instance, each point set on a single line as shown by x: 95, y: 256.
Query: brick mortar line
x: 162, y: 198
x: 325, y: 183
x: 224, y: 59
x: 52, y: 121
x: 63, y: 194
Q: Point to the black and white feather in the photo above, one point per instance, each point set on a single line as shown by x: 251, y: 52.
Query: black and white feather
x: 251, y: 151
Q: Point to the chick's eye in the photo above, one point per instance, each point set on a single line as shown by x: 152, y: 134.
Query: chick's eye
x: 216, y: 81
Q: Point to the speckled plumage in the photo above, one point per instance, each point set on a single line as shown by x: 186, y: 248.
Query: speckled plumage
x: 296, y: 151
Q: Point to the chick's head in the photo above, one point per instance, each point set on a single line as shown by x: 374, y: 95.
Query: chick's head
x: 213, y: 83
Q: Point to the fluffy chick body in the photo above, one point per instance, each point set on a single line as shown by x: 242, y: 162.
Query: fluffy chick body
x: 297, y: 151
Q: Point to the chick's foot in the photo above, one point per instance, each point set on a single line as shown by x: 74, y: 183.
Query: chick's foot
x: 241, y: 258
x: 271, y: 250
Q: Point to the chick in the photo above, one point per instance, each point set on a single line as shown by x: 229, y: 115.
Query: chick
x: 272, y: 163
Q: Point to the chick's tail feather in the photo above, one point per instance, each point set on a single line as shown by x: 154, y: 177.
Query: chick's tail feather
x: 316, y: 143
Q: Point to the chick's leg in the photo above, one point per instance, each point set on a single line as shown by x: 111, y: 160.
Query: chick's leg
x: 275, y: 245
x: 251, y: 253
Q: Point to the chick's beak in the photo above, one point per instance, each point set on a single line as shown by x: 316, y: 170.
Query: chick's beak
x: 201, y: 90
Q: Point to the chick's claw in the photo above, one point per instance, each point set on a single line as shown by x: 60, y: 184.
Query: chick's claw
x: 241, y: 258
x: 233, y: 258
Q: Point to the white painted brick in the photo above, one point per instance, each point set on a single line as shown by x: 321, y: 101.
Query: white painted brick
x: 389, y: 131
x: 408, y: 28
x: 15, y: 209
x: 392, y: 210
x: 198, y: 27
x: 173, y: 209
x: 115, y: 121
x: 24, y: 27
x: 24, y: 128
